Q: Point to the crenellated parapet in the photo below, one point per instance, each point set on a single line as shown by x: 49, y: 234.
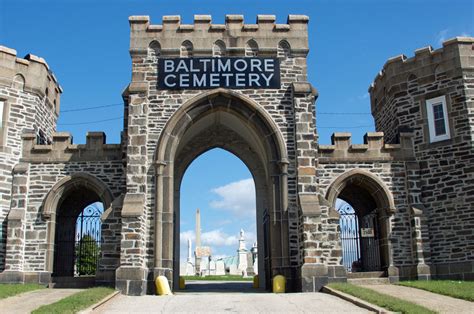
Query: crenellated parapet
x: 62, y: 149
x: 231, y: 38
x: 373, y: 149
x: 422, y: 68
x: 30, y: 74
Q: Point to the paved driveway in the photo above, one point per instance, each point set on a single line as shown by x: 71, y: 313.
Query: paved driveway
x: 221, y: 297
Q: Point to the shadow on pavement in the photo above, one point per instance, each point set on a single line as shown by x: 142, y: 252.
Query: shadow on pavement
x: 200, y: 286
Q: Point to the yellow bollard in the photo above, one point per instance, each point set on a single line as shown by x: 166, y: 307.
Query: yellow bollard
x: 279, y: 284
x: 162, y: 286
x: 255, y: 281
x: 182, y: 283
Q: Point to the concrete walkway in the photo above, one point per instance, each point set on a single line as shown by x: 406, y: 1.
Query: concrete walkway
x: 29, y: 301
x: 230, y: 303
x: 234, y: 297
x: 433, y: 301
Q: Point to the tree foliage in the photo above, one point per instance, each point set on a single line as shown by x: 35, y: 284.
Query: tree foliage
x: 87, y: 255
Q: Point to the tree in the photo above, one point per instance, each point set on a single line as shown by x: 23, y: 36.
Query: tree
x: 87, y: 255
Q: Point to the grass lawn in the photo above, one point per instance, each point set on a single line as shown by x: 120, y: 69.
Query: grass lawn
x: 76, y: 302
x: 456, y: 289
x: 8, y: 290
x: 223, y: 278
x: 382, y: 300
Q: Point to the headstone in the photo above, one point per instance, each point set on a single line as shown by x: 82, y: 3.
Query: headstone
x: 220, y: 268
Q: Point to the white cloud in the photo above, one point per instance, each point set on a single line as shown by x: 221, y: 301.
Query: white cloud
x: 212, y: 238
x: 237, y: 198
x: 442, y: 36
x: 218, y: 238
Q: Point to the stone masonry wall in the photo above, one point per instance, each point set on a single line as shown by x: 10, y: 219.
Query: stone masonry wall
x: 390, y: 164
x: 398, y: 96
x: 43, y: 166
x: 154, y: 107
x: 30, y: 94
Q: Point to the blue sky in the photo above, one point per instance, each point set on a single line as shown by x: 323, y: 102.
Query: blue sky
x: 86, y: 45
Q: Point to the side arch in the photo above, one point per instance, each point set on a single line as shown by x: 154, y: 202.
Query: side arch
x: 57, y: 194
x: 373, y: 204
x: 366, y: 180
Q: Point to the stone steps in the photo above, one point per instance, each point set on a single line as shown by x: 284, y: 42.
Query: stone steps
x: 73, y: 282
x: 369, y: 281
x: 368, y: 278
x: 367, y: 274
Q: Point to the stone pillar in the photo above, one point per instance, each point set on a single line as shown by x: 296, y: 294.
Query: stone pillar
x: 131, y: 277
x: 317, y: 225
x: 419, y: 225
x: 16, y: 228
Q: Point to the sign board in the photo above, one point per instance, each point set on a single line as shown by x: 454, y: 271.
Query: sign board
x: 366, y: 232
x: 202, y: 251
x: 207, y: 73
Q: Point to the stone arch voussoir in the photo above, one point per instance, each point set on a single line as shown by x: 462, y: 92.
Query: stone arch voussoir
x: 367, y: 180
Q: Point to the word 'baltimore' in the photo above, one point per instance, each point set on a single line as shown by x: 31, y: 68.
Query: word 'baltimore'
x: 202, y: 73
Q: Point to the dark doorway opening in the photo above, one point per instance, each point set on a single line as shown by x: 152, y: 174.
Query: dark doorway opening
x: 77, y: 250
x: 360, y: 239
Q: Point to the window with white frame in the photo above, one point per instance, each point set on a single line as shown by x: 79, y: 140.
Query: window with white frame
x: 2, y: 104
x: 2, y: 108
x: 437, y: 119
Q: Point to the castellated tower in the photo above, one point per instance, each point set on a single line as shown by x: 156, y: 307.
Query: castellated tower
x: 270, y: 128
x: 29, y: 102
x: 432, y: 95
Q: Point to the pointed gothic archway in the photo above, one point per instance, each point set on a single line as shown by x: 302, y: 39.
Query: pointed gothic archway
x: 229, y: 120
x: 364, y: 220
x: 74, y: 228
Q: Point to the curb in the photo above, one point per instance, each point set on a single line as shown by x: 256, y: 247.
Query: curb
x: 93, y: 307
x: 356, y: 301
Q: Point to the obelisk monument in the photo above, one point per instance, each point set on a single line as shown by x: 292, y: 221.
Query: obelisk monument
x: 198, y: 242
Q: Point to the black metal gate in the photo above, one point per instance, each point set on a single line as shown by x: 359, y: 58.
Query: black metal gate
x: 78, y: 242
x: 266, y: 249
x: 360, y: 243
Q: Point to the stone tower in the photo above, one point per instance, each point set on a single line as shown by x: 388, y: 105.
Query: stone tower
x: 29, y: 102
x: 431, y: 95
x: 271, y: 129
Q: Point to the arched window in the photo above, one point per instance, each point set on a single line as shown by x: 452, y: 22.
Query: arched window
x: 18, y: 82
x: 154, y: 49
x: 284, y: 49
x: 218, y: 49
x: 251, y: 48
x: 187, y: 49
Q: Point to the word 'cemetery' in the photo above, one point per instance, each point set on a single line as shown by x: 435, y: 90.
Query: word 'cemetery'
x: 202, y: 73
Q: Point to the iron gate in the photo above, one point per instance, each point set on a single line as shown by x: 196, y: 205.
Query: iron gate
x: 266, y: 248
x: 360, y: 243
x: 78, y: 243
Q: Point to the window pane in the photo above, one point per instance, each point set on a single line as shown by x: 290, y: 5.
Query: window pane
x: 1, y: 112
x: 438, y: 111
x: 439, y: 126
x: 440, y: 129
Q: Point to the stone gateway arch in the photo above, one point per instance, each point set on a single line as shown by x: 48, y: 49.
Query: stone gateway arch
x: 243, y: 88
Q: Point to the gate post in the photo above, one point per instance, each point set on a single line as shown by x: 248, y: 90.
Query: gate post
x: 131, y: 276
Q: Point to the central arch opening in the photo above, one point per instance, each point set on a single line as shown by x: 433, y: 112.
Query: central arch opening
x: 230, y: 121
x: 218, y: 226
